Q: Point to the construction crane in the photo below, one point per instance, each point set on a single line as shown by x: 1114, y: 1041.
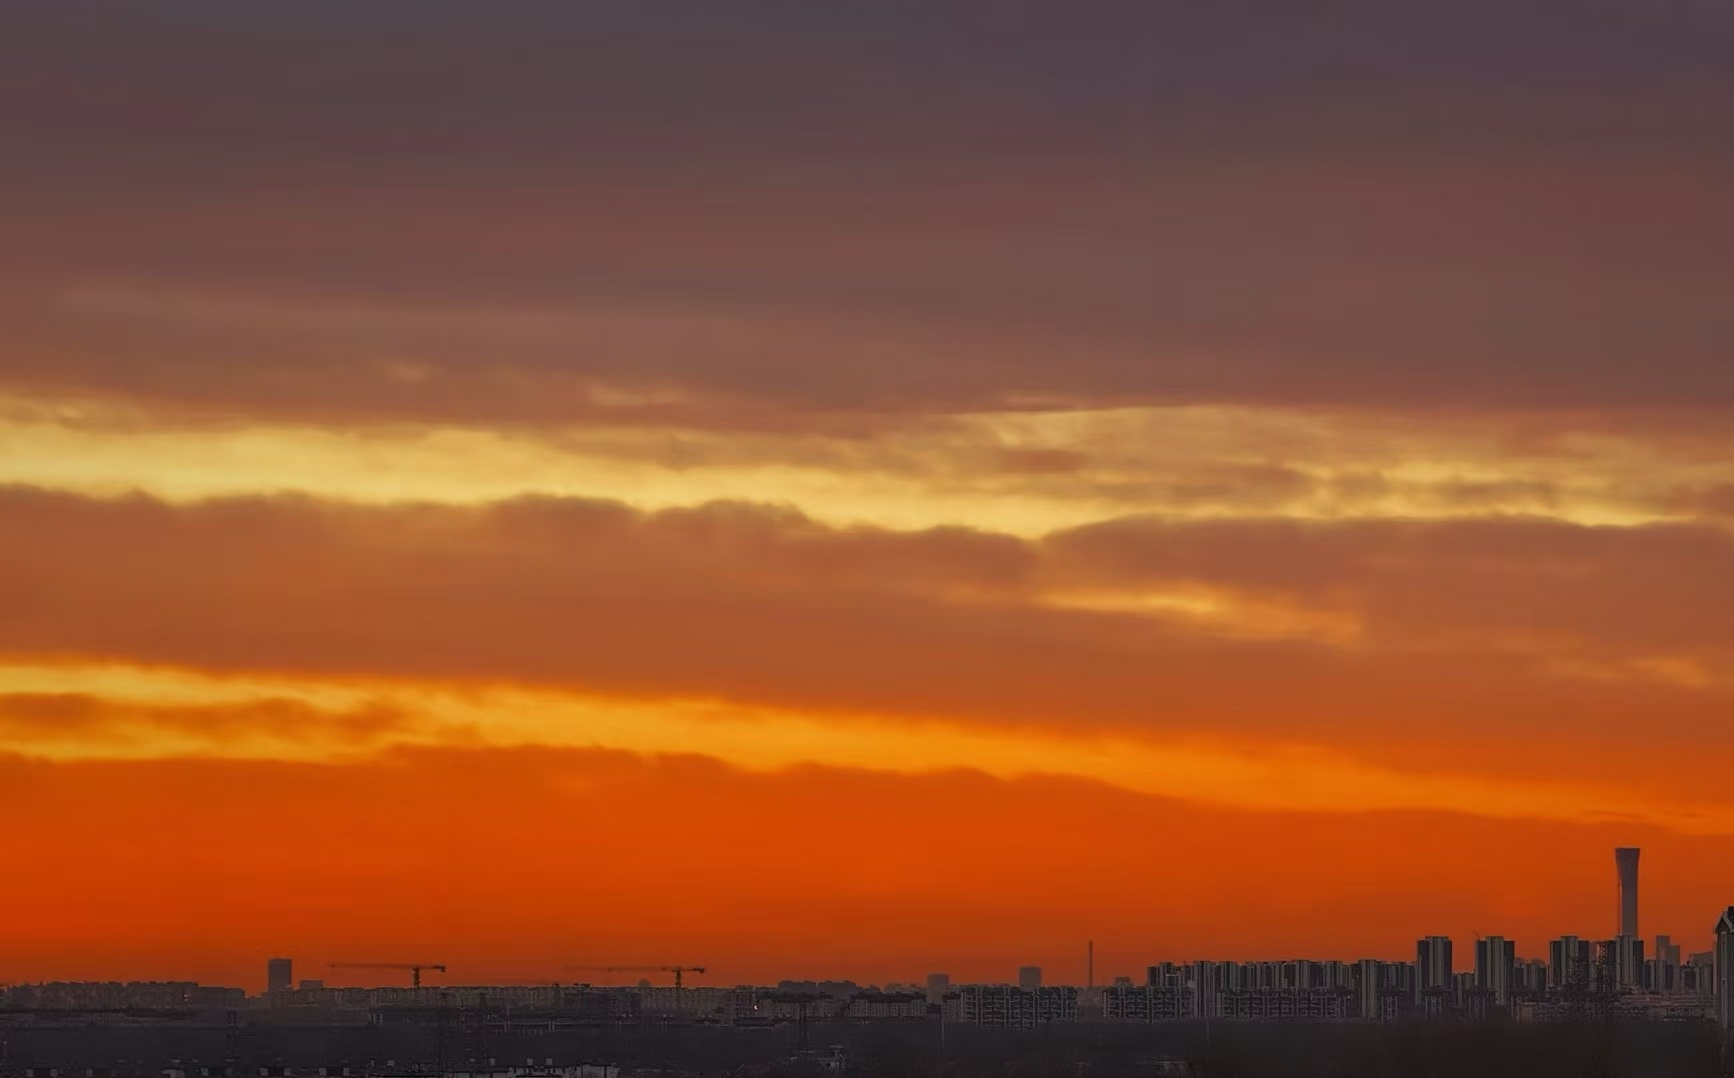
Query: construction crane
x: 676, y: 970
x: 414, y: 968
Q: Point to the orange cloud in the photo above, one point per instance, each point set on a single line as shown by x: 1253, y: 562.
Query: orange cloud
x: 1464, y: 650
x: 1026, y: 473
x: 133, y: 713
x: 38, y: 721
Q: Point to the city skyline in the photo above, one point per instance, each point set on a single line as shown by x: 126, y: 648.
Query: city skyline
x: 1499, y: 974
x: 815, y: 489
x: 1564, y: 960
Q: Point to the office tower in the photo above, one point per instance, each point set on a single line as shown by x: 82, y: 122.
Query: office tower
x: 937, y: 985
x: 1604, y: 969
x: 1568, y: 963
x: 1667, y: 965
x: 279, y: 975
x: 1626, y: 864
x: 1628, y: 962
x: 1029, y: 978
x: 1235, y: 976
x: 1495, y: 956
x: 1433, y: 966
x: 1207, y: 988
x: 1370, y: 988
x: 1724, y: 975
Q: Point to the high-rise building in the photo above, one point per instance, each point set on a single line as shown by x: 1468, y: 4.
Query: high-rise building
x: 1725, y: 972
x: 1029, y: 978
x: 938, y: 984
x: 1568, y: 963
x: 1433, y: 966
x: 1495, y: 957
x: 1626, y: 864
x: 1628, y: 956
x: 1208, y: 984
x: 279, y: 975
x: 1370, y: 988
x: 1667, y: 965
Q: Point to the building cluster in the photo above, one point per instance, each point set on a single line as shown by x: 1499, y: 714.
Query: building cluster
x: 90, y: 996
x: 1578, y: 977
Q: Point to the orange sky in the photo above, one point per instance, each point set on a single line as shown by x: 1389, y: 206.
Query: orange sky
x: 861, y: 529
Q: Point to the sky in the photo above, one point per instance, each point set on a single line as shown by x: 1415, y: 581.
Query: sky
x: 859, y: 490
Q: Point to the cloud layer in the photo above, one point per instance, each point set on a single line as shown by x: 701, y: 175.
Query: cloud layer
x: 799, y: 215
x: 997, y: 433
x: 1467, y: 638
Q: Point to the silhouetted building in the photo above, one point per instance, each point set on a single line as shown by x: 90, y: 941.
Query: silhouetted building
x: 1568, y: 964
x: 1495, y: 958
x: 937, y: 985
x: 1208, y: 982
x: 1667, y: 965
x: 1029, y: 978
x: 1629, y: 963
x: 1370, y: 988
x: 1626, y: 864
x: 1433, y: 967
x: 279, y: 975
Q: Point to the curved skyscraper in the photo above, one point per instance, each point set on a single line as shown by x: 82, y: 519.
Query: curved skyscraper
x: 1626, y: 861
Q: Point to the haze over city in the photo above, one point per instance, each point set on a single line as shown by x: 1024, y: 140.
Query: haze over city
x: 848, y: 491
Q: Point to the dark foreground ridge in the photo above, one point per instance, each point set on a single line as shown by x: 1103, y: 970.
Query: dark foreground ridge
x: 459, y: 1045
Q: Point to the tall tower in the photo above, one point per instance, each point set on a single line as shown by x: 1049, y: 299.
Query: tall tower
x: 1626, y: 862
